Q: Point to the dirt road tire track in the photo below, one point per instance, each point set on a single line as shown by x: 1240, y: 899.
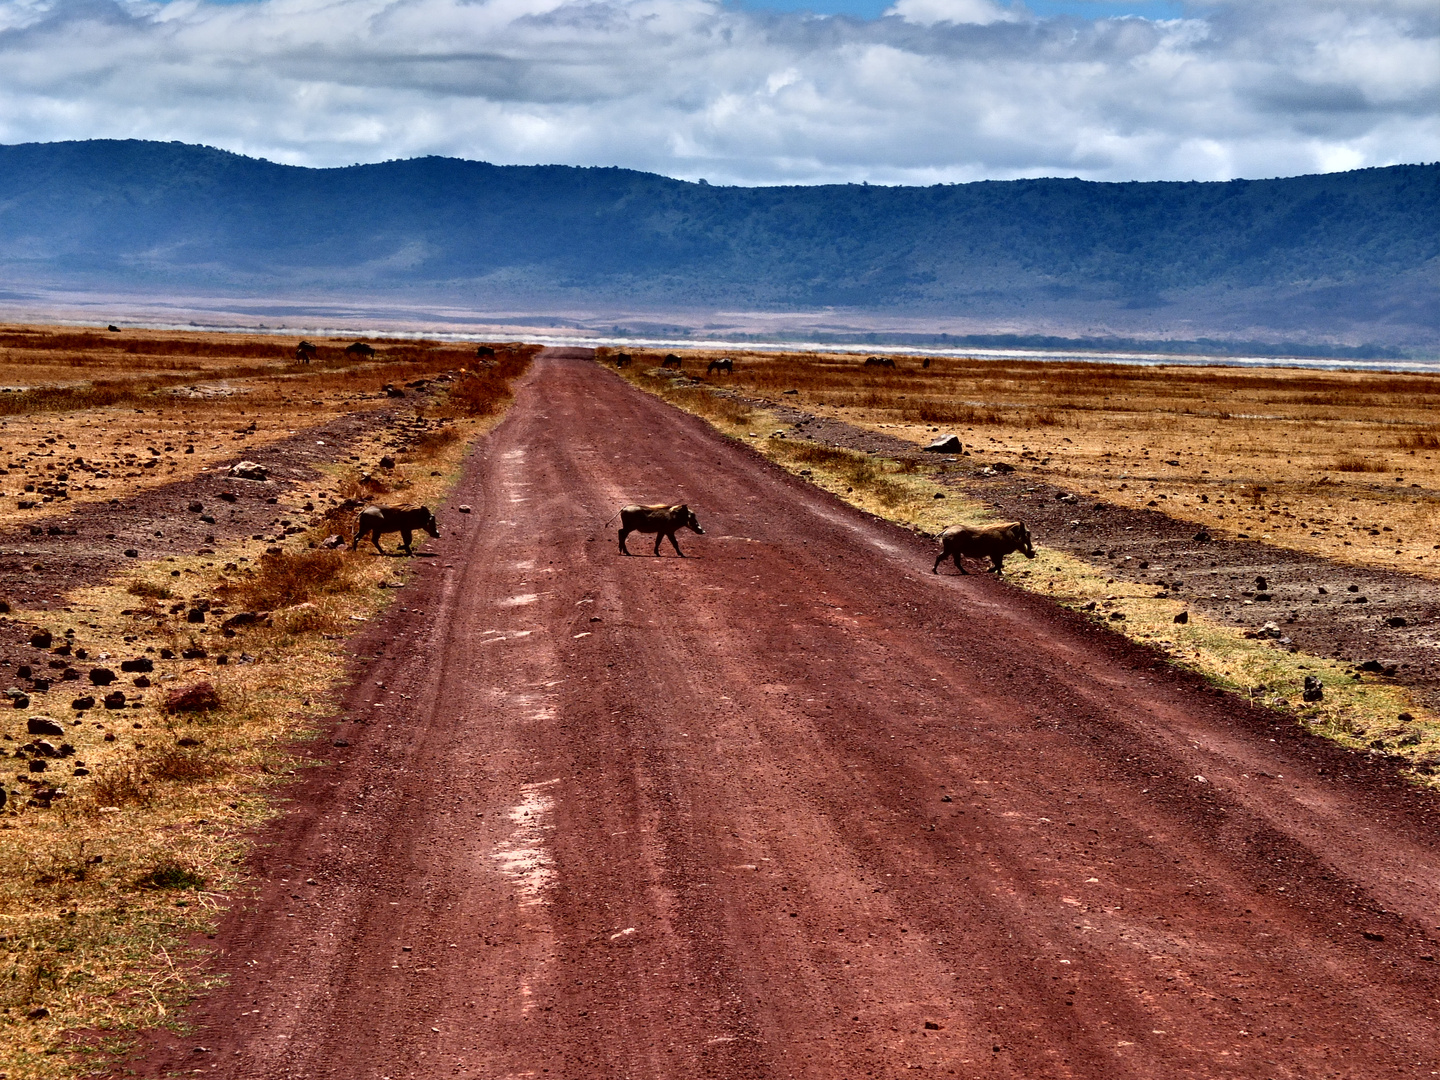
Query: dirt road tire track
x: 776, y: 809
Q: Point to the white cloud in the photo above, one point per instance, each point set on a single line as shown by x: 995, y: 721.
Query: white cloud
x: 942, y: 90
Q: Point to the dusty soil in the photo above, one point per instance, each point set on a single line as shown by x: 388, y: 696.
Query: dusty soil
x: 1363, y: 613
x: 796, y: 807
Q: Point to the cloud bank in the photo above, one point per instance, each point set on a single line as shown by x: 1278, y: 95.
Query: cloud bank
x: 936, y: 90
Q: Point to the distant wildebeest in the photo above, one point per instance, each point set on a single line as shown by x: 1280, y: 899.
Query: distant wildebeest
x: 661, y: 520
x: 671, y: 360
x: 360, y: 348
x: 991, y: 542
x: 622, y: 359
x: 879, y: 361
x: 406, y: 520
x: 485, y: 350
x: 925, y: 363
x: 305, y: 352
x: 726, y: 365
x: 113, y: 328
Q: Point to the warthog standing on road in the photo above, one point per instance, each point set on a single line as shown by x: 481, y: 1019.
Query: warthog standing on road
x: 661, y: 520
x: 406, y: 520
x: 992, y: 542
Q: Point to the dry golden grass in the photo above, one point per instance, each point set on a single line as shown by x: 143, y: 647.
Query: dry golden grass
x: 1340, y: 464
x: 86, y: 426
x: 101, y: 891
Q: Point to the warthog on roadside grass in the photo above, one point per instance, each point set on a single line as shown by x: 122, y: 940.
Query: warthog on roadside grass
x: 661, y: 520
x: 991, y: 542
x: 671, y: 361
x: 406, y: 520
x: 725, y: 366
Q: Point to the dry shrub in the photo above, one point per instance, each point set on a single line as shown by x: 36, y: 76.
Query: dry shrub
x: 361, y: 487
x: 432, y: 443
x: 484, y: 392
x: 951, y: 412
x: 293, y: 578
x: 171, y: 876
x: 149, y: 590
x: 183, y: 765
x: 305, y: 619
x: 120, y: 785
x: 1356, y: 463
x: 1419, y: 440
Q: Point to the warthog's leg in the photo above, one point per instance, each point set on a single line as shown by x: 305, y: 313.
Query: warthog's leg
x: 673, y: 543
x: 405, y: 535
x: 999, y: 561
x: 623, y: 549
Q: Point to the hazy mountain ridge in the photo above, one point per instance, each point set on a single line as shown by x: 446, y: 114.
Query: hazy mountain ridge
x: 1345, y: 254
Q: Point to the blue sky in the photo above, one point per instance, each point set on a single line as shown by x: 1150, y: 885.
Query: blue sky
x: 746, y: 91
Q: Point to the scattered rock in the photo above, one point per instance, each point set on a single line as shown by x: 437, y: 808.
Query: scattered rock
x: 227, y: 496
x: 142, y: 681
x: 188, y: 740
x: 41, y: 639
x: 196, y: 507
x: 464, y: 508
x: 82, y: 703
x: 248, y: 470
x: 1405, y: 718
x: 132, y: 553
x: 195, y: 652
x: 393, y: 391
x: 101, y: 676
x: 115, y: 699
x: 20, y: 700
x: 1314, y: 689
x: 40, y: 1012
x: 946, y: 444
x: 340, y: 742
x: 38, y: 765
x: 1373, y: 666
x: 1397, y: 621
x: 240, y: 618
x: 1262, y: 584
x: 141, y: 663
x: 195, y: 615
x: 387, y: 462
x: 43, y: 725
x: 198, y: 697
x: 1201, y: 537
x: 333, y: 541
x: 1183, y: 618
x: 1371, y: 935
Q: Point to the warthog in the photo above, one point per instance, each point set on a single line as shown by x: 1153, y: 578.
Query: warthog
x: 726, y: 365
x: 661, y: 520
x: 879, y: 361
x: 406, y: 520
x: 622, y: 359
x: 671, y: 360
x: 991, y: 542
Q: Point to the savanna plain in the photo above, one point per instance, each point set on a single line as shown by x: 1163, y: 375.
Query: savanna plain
x: 178, y: 642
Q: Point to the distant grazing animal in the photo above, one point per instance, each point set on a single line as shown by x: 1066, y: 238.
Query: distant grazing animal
x: 661, y: 520
x: 305, y: 352
x: 485, y: 350
x: 360, y: 348
x: 113, y: 328
x: 622, y: 359
x: 925, y: 363
x: 671, y: 360
x: 406, y: 520
x: 991, y: 542
x: 879, y: 361
x: 726, y: 365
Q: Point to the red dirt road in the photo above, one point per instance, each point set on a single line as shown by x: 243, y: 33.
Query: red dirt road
x: 796, y: 807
